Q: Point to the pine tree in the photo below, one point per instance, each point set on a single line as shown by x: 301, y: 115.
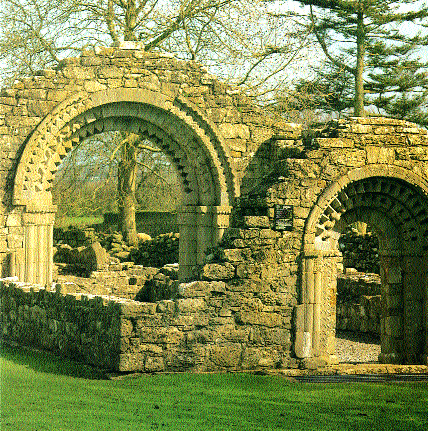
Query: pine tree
x: 347, y: 30
x: 397, y: 84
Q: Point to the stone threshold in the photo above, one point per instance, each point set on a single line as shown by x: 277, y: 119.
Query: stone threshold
x: 352, y: 369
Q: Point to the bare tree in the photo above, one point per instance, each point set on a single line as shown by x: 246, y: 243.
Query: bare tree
x: 230, y: 35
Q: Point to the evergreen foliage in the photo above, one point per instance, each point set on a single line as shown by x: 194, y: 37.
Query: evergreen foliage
x: 376, y: 41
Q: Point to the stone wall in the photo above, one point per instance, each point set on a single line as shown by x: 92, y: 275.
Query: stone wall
x: 85, y: 328
x: 279, y: 283
x: 123, y: 280
x: 359, y: 302
x: 207, y: 328
x: 360, y: 251
x: 208, y: 129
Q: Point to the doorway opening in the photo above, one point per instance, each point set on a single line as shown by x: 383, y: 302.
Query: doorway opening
x: 358, y: 307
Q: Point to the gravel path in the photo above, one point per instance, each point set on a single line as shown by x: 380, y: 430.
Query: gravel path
x: 357, y: 348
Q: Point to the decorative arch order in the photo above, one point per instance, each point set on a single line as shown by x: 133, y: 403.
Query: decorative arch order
x: 394, y: 201
x: 178, y: 127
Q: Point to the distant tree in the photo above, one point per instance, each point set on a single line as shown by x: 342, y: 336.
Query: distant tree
x: 86, y: 182
x: 35, y: 33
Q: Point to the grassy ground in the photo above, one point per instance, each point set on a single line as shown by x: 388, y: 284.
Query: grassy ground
x: 80, y: 222
x: 42, y: 392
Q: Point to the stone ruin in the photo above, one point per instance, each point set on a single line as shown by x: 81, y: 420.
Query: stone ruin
x: 264, y: 204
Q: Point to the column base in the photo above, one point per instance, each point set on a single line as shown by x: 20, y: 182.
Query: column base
x: 316, y: 362
x: 390, y: 358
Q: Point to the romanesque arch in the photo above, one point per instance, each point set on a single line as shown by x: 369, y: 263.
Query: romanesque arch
x: 185, y: 135
x: 394, y: 201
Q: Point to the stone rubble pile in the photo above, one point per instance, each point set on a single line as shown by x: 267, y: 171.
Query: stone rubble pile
x: 124, y: 280
x: 160, y: 251
x: 73, y: 236
x: 152, y: 252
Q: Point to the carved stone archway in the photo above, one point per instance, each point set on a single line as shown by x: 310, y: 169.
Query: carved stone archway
x: 394, y: 201
x: 177, y: 127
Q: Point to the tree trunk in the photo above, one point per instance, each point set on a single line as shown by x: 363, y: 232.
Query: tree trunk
x: 359, y: 80
x: 126, y: 186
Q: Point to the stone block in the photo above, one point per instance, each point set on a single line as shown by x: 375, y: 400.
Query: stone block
x: 251, y: 317
x: 126, y: 328
x: 216, y: 271
x: 190, y: 305
x: 333, y: 142
x: 108, y: 72
x: 360, y: 128
x: 256, y: 222
x: 93, y: 86
x: 130, y: 309
x: 235, y: 255
x: 190, y: 322
x: 131, y: 362
x: 227, y: 356
x: 376, y: 154
x: 14, y: 219
x: 351, y: 158
x: 194, y: 289
x: 154, y: 364
x: 232, y: 131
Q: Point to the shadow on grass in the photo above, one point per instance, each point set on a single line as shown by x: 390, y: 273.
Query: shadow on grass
x: 47, y: 362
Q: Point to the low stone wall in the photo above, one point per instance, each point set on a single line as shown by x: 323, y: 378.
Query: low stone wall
x: 73, y: 236
x: 85, y: 328
x: 358, y: 303
x: 210, y: 327
x: 123, y: 280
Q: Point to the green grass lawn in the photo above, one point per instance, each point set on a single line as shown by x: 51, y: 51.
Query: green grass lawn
x: 42, y: 392
x: 79, y: 222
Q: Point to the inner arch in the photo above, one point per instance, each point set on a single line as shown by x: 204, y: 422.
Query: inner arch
x: 396, y: 207
x: 184, y: 133
x: 196, y: 150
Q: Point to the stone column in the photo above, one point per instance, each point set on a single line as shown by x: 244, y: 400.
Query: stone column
x: 221, y: 221
x: 187, y: 222
x: 414, y: 323
x: 201, y: 227
x: 315, y: 317
x: 391, y: 308
x: 307, y: 324
x: 38, y: 242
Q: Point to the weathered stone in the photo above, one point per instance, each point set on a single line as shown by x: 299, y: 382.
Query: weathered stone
x: 190, y: 305
x: 225, y: 356
x: 226, y: 150
x: 215, y: 271
x: 252, y: 317
x: 154, y: 364
x: 256, y: 222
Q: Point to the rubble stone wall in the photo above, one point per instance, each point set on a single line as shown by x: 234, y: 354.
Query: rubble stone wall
x: 206, y: 329
x: 209, y: 130
x: 268, y: 290
x: 359, y: 303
